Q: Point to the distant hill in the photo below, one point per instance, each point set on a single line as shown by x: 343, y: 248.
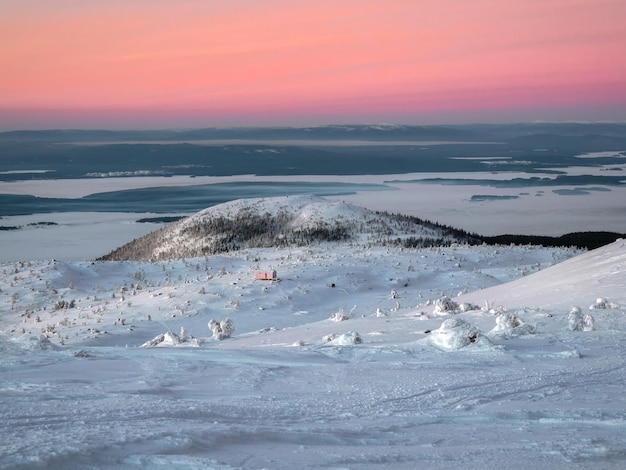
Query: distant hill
x: 283, y: 222
x: 380, y: 132
x: 531, y: 133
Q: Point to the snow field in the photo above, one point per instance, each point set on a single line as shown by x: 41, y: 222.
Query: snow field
x: 315, y: 283
x: 343, y: 363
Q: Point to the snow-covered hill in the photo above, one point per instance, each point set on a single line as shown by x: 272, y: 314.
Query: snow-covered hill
x: 359, y: 356
x: 282, y: 222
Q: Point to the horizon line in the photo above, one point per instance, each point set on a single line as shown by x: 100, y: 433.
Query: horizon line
x: 312, y: 126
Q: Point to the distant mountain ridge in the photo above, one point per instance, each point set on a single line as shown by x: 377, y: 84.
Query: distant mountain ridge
x: 283, y: 222
x: 449, y: 132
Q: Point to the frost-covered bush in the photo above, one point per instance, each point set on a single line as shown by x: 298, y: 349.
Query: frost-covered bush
x: 509, y: 325
x: 445, y: 305
x: 63, y: 305
x: 221, y: 330
x: 601, y: 304
x: 454, y: 334
x: 490, y: 307
x: 576, y: 321
x: 339, y: 316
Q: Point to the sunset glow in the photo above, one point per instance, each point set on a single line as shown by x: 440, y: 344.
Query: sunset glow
x: 165, y: 63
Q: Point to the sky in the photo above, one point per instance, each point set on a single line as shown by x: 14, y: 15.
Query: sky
x: 200, y: 63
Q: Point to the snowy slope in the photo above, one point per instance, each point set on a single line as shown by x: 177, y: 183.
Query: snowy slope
x: 576, y: 282
x: 359, y: 357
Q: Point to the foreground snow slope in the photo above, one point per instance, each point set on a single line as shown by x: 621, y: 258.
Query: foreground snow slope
x: 352, y: 360
x: 600, y: 273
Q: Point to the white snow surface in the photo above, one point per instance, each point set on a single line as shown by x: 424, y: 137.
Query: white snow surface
x: 112, y: 365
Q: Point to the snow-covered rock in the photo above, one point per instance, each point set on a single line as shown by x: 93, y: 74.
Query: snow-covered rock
x: 602, y: 304
x: 345, y: 339
x: 445, y: 306
x: 169, y: 339
x: 508, y: 325
x: 455, y: 333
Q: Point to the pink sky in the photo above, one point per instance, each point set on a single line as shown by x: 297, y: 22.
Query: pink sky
x: 200, y: 63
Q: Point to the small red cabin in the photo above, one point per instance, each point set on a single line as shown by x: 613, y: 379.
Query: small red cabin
x: 266, y: 276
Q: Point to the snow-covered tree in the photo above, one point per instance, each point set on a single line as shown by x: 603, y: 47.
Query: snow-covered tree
x: 339, y: 315
x: 576, y: 321
x: 221, y: 330
x: 508, y: 324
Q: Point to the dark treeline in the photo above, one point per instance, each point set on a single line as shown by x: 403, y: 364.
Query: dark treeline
x: 588, y: 240
x: 160, y: 220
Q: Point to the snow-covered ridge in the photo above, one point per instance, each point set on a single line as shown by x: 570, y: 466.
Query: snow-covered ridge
x: 283, y: 222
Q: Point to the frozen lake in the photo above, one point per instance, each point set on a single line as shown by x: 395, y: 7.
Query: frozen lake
x: 532, y: 211
x: 66, y: 201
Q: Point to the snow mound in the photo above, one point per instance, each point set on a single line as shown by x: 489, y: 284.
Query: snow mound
x: 509, y: 325
x: 445, y: 306
x: 455, y: 334
x: 172, y: 339
x: 27, y: 343
x: 346, y: 339
x: 602, y: 304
